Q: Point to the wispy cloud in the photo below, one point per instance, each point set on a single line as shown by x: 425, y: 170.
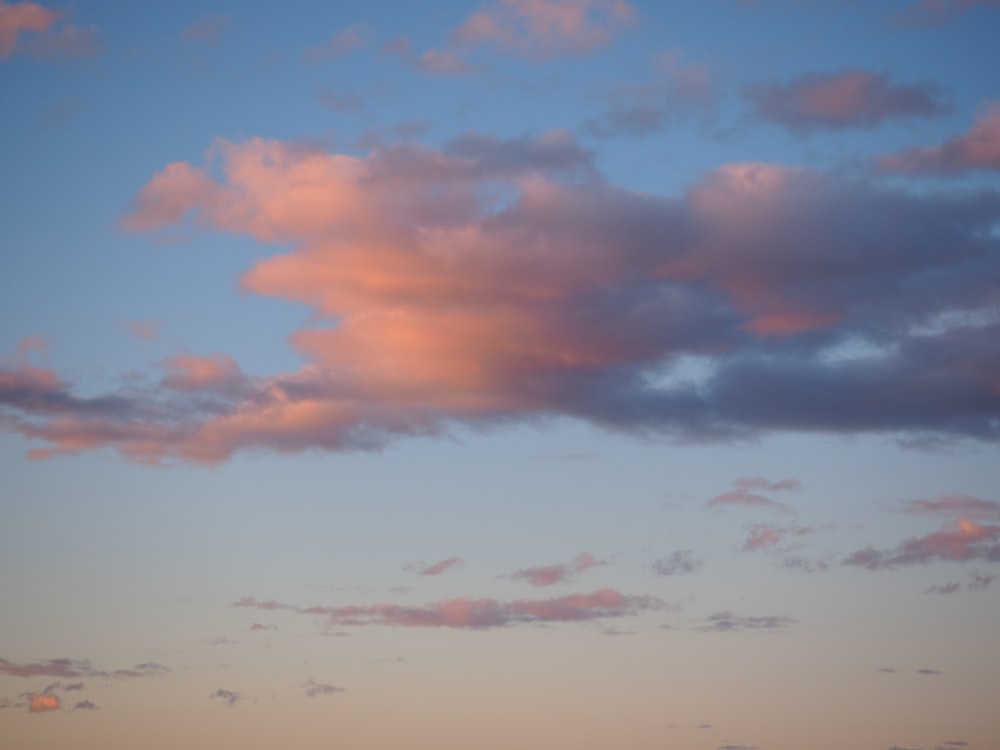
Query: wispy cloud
x: 229, y: 697
x: 207, y: 29
x: 480, y: 614
x: 69, y: 668
x: 728, y: 621
x: 437, y: 568
x: 548, y: 575
x: 313, y: 688
x: 743, y: 494
x: 938, y: 12
x: 979, y: 149
x: 342, y: 43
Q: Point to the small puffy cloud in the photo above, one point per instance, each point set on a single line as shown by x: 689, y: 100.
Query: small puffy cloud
x: 229, y: 697
x: 85, y: 705
x: 313, y: 688
x: 545, y: 28
x: 979, y: 149
x: 437, y: 568
x: 961, y: 542
x: 677, y: 563
x: 44, y: 34
x: 851, y: 98
x: 42, y: 702
x: 547, y: 575
x: 342, y: 43
x: 728, y: 621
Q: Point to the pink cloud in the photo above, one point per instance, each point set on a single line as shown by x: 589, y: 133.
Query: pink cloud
x: 845, y: 99
x: 561, y: 573
x: 432, y: 61
x: 503, y: 279
x: 437, y: 568
x: 485, y: 613
x: 145, y: 330
x: 541, y: 28
x: 956, y: 506
x: 742, y: 496
x: 42, y: 702
x: 964, y: 541
x: 16, y: 18
x: 977, y: 149
x: 764, y: 536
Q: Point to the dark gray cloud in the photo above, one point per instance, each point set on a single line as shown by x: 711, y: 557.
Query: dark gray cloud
x: 678, y: 562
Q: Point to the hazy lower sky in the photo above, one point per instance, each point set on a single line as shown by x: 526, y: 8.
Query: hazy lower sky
x: 523, y: 373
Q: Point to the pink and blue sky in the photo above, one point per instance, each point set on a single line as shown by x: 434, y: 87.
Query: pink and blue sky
x: 500, y: 373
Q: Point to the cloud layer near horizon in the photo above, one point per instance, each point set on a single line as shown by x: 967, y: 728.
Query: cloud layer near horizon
x: 501, y: 279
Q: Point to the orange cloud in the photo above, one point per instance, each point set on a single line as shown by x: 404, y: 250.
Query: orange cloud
x: 41, y: 702
x: 16, y: 18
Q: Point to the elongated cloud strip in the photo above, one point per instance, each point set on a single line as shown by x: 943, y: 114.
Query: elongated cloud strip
x: 76, y: 668
x: 979, y: 149
x: 962, y: 542
x: 437, y: 568
x: 851, y: 98
x: 743, y: 496
x: 955, y: 506
x: 500, y: 279
x: 480, y: 614
x: 728, y: 621
x: 547, y: 575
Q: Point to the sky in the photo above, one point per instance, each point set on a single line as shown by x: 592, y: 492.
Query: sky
x: 500, y: 373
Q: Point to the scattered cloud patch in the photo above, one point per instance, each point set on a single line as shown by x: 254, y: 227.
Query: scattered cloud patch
x: 208, y: 29
x: 954, y: 506
x: 228, y: 697
x: 743, y: 494
x: 938, y: 12
x: 342, y: 43
x: 85, y: 705
x: 961, y: 542
x: 259, y: 626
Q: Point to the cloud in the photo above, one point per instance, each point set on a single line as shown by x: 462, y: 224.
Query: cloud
x: 207, y: 29
x: 545, y: 28
x: 19, y: 18
x: 69, y: 668
x: 342, y: 43
x: 954, y: 506
x: 480, y: 614
x: 945, y: 588
x: 346, y: 102
x: 850, y: 98
x: 437, y: 568
x: 432, y: 61
x: 501, y: 280
x: 737, y: 747
x: 145, y: 330
x: 258, y: 626
x: 929, y: 672
x: 677, y: 563
x: 42, y: 702
x: 678, y: 89
x: 961, y: 542
x: 314, y: 688
x: 728, y: 621
x: 980, y: 581
x: 979, y: 149
x: 764, y: 536
x: 743, y: 496
x: 217, y: 372
x: 85, y: 706
x: 228, y: 697
x: 937, y: 12
x: 548, y: 575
